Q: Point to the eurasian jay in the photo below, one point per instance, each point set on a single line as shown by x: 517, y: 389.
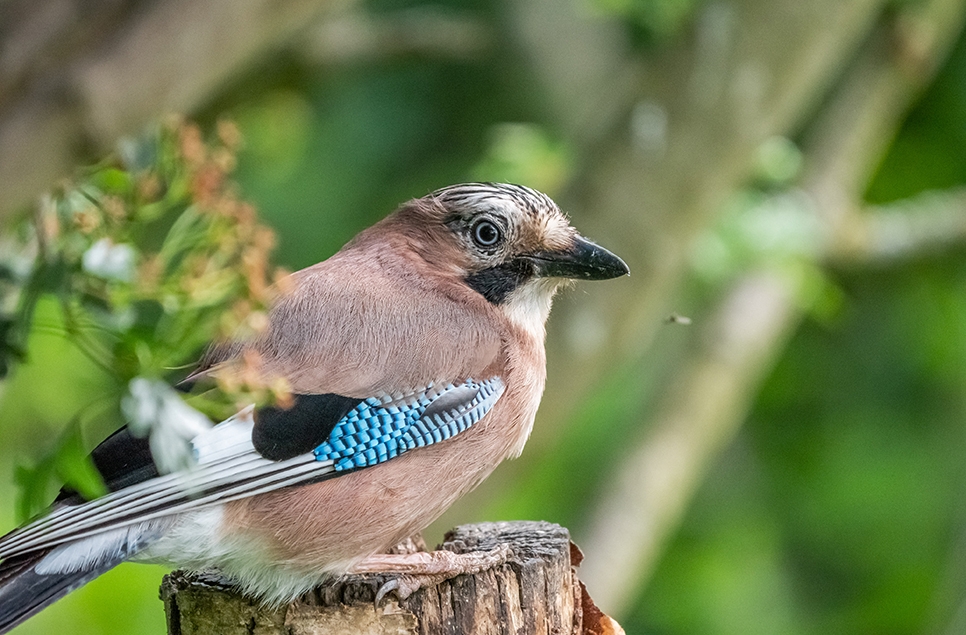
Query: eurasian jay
x: 416, y: 359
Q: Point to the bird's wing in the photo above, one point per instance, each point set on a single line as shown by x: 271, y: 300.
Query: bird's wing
x: 230, y: 466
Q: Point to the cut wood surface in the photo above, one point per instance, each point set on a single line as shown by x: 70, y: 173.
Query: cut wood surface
x: 535, y: 592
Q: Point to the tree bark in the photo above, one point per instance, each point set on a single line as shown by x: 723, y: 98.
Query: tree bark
x: 535, y: 592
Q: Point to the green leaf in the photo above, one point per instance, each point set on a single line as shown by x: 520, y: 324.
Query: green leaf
x: 112, y: 181
x: 67, y: 464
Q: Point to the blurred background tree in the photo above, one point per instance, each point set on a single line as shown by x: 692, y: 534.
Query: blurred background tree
x: 762, y: 430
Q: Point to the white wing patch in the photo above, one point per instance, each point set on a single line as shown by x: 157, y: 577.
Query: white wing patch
x: 92, y: 552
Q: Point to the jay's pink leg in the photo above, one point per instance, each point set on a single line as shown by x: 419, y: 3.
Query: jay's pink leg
x: 426, y: 569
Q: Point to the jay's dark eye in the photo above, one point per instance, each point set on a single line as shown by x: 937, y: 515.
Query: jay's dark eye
x: 486, y: 233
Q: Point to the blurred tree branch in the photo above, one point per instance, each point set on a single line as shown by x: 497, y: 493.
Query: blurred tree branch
x: 430, y: 31
x: 906, y: 228
x: 76, y: 75
x: 714, y: 390
x: 695, y: 420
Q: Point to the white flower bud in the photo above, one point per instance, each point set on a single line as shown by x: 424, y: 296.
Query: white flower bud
x: 155, y: 409
x: 106, y: 260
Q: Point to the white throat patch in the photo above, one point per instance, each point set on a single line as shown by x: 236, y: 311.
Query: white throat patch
x: 528, y: 305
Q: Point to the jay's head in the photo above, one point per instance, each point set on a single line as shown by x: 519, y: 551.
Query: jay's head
x: 510, y: 243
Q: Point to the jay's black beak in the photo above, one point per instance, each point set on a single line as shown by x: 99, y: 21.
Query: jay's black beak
x: 582, y: 261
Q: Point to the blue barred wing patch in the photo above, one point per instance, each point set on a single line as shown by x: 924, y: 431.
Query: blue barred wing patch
x: 379, y: 429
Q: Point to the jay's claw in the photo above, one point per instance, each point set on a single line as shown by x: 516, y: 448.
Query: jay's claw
x: 388, y: 587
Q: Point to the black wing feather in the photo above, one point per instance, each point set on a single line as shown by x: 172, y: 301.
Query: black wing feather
x: 284, y: 433
x: 122, y: 460
x: 24, y: 592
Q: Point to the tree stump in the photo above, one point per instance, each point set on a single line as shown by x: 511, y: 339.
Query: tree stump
x: 535, y: 592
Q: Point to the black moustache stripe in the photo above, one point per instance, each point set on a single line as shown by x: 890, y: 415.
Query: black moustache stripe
x: 496, y: 283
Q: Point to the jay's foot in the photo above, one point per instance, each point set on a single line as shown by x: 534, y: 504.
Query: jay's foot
x: 414, y: 571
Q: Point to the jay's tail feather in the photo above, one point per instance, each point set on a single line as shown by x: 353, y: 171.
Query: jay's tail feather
x: 24, y: 592
x: 32, y: 581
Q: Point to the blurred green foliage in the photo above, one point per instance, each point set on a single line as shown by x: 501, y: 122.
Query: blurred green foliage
x: 839, y: 507
x: 66, y: 464
x: 139, y: 264
x: 652, y: 21
x: 837, y: 510
x: 928, y: 154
